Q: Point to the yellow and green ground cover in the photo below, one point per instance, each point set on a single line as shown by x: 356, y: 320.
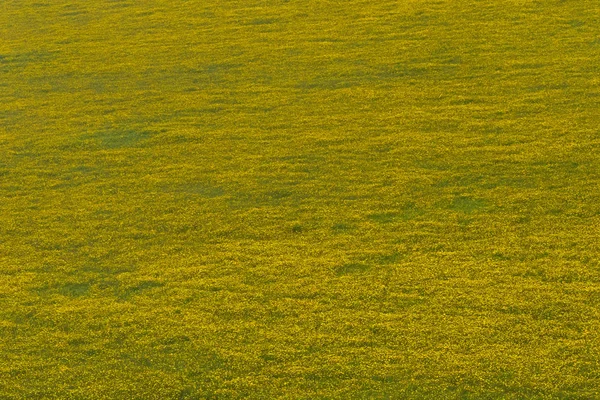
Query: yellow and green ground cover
x: 299, y: 199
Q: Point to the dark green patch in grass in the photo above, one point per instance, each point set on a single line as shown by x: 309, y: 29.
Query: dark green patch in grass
x: 546, y: 87
x: 174, y: 341
x: 188, y: 392
x: 220, y: 67
x: 556, y: 167
x: 30, y: 320
x: 434, y: 164
x: 145, y: 13
x: 384, y: 218
x: 21, y: 60
x: 442, y: 183
x: 279, y: 194
x: 463, y: 180
x: 525, y: 65
x: 109, y: 284
x: 120, y: 138
x: 386, y: 379
x: 464, y: 101
x: 491, y: 131
x: 391, y: 258
x: 205, y: 360
x: 71, y: 289
x: 106, y: 265
x: 223, y: 101
x: 77, y: 342
x: 296, y: 228
x: 140, y: 288
x: 467, y: 204
x: 401, y: 71
x: 72, y: 12
x: 453, y: 60
x: 498, y: 256
x: 325, y: 84
x: 342, y: 228
x: 201, y: 189
x: 439, y: 125
x: 137, y: 360
x: 510, y: 181
x: 407, y: 302
x: 83, y: 169
x: 408, y: 212
x: 534, y: 272
x: 308, y: 164
x: 268, y: 357
x: 574, y: 23
x: 352, y: 268
x: 326, y: 40
x: 550, y: 311
x: 202, y: 111
x: 244, y: 200
x: 75, y: 289
x: 262, y: 21
x: 118, y: 4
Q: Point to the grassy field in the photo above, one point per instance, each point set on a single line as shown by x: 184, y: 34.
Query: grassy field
x: 300, y: 199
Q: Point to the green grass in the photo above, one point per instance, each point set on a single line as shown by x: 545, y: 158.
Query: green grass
x: 299, y: 199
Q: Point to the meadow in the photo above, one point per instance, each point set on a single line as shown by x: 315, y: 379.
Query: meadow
x: 299, y: 199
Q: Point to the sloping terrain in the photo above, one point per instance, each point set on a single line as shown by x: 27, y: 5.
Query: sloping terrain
x: 299, y: 199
